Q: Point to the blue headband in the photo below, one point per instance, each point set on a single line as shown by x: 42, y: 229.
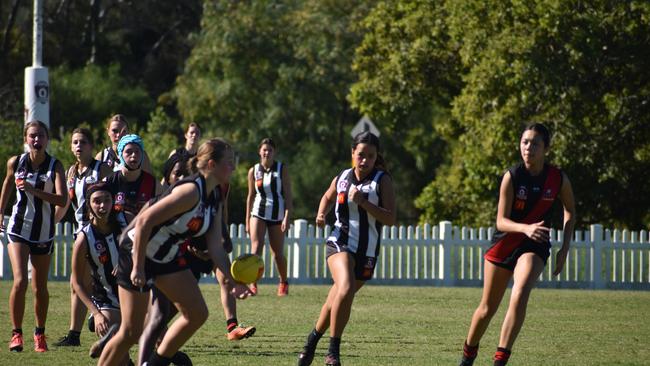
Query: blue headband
x: 129, y: 139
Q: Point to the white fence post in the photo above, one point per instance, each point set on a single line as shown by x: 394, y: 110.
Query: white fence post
x: 597, y: 256
x: 299, y: 271
x: 444, y: 253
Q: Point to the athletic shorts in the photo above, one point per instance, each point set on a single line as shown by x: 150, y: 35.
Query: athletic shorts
x: 542, y: 250
x: 151, y: 268
x: 364, y: 266
x: 35, y: 248
x: 269, y: 222
x: 104, y: 305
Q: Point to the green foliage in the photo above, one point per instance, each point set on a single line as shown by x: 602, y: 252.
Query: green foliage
x: 91, y: 95
x: 280, y: 70
x: 160, y: 139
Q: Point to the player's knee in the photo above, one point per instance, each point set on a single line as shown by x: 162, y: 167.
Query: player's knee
x: 129, y: 335
x: 20, y: 284
x: 197, y: 315
x: 40, y: 292
x: 486, y: 310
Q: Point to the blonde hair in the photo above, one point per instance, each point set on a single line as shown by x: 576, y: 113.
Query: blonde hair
x: 117, y: 118
x: 213, y: 149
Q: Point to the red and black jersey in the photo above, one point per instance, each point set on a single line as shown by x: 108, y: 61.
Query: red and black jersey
x: 131, y: 196
x: 532, y: 202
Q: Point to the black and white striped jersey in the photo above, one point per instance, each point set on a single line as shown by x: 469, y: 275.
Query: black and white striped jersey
x: 165, y: 239
x: 32, y: 218
x: 354, y: 227
x: 269, y: 197
x: 77, y: 184
x: 110, y: 157
x: 103, y: 257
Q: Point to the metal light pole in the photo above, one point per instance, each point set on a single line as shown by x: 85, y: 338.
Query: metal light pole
x: 37, y: 87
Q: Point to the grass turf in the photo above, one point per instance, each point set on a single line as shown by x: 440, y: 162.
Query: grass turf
x: 388, y: 326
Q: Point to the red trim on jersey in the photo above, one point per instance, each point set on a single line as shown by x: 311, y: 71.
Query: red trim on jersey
x: 510, y: 241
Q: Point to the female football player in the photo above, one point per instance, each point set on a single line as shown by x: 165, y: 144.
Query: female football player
x: 268, y: 208
x: 365, y: 201
x: 40, y: 186
x: 149, y: 255
x: 521, y: 245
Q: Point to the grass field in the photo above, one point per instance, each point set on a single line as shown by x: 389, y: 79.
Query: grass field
x: 389, y: 326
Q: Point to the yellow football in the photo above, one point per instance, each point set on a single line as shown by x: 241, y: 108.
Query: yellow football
x: 247, y: 268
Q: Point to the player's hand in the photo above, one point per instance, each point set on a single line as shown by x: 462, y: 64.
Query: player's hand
x: 240, y: 291
x: 24, y: 185
x: 560, y: 259
x: 285, y: 224
x: 356, y: 196
x: 538, y: 232
x: 137, y: 277
x: 101, y: 324
x: 320, y: 220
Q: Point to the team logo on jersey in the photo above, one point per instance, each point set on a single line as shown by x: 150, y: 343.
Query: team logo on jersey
x: 259, y: 183
x: 90, y: 180
x: 340, y: 198
x: 20, y: 173
x: 44, y: 177
x: 195, y: 224
x: 259, y: 175
x: 522, y: 193
x: 275, y: 174
x: 520, y: 204
x: 99, y: 246
x: 343, y: 185
x: 368, y: 267
x: 548, y: 195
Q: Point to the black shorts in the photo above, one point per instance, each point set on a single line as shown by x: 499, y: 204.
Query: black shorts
x: 42, y: 248
x: 198, y: 266
x: 542, y: 250
x: 151, y: 268
x: 364, y: 266
x: 269, y: 222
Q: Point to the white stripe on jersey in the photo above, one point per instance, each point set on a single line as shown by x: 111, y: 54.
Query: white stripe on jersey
x: 267, y: 178
x: 176, y: 232
x: 370, y: 187
x: 79, y: 186
x: 25, y: 205
x: 101, y: 268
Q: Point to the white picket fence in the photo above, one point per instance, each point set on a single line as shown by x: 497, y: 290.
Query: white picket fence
x: 442, y: 255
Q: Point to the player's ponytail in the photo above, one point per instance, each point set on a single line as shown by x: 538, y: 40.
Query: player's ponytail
x: 213, y: 149
x: 192, y: 165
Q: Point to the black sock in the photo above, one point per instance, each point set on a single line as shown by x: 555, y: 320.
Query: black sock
x: 231, y: 324
x: 157, y: 360
x: 38, y: 330
x: 73, y: 334
x: 335, y: 345
x: 18, y: 331
x: 312, y: 340
x: 470, y: 352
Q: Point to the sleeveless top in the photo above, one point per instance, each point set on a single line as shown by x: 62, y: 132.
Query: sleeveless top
x: 103, y: 257
x: 533, y: 200
x: 32, y: 218
x: 354, y: 227
x: 110, y: 158
x: 130, y: 196
x: 269, y: 197
x: 77, y: 186
x: 165, y: 239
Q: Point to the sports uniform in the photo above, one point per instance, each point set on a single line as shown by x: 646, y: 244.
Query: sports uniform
x: 269, y: 198
x: 77, y: 184
x: 163, y: 252
x: 110, y: 158
x: 103, y: 257
x: 533, y: 199
x: 32, y: 219
x: 356, y: 231
x: 130, y: 197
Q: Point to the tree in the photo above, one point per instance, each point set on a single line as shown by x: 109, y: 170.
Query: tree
x: 582, y: 68
x: 277, y: 69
